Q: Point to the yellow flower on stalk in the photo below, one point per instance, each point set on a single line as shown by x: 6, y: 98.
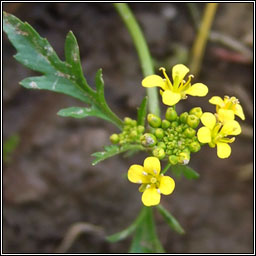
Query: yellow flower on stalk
x: 215, y: 133
x: 172, y: 93
x: 153, y: 183
x: 227, y: 109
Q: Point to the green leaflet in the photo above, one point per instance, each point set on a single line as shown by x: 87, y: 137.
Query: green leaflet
x: 142, y: 111
x: 80, y: 112
x: 187, y: 171
x: 59, y: 76
x: 113, y: 150
x: 172, y: 222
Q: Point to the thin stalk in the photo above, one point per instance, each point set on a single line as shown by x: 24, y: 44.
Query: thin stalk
x: 200, y: 42
x: 142, y: 50
x: 166, y: 168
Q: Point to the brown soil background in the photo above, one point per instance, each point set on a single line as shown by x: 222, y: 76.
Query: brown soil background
x: 50, y: 183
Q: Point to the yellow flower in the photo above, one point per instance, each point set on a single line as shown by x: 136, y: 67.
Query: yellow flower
x: 153, y: 183
x: 227, y: 109
x: 215, y: 133
x: 172, y: 93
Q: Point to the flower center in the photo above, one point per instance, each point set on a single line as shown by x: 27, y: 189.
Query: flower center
x: 230, y: 103
x: 153, y: 180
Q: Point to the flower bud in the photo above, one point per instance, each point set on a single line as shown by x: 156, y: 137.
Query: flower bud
x: 179, y: 129
x: 171, y: 114
x: 193, y: 121
x: 133, y: 134
x: 184, y: 157
x: 114, y: 138
x: 197, y: 111
x: 159, y: 153
x: 159, y: 133
x: 183, y: 117
x: 194, y: 146
x: 161, y: 145
x: 189, y: 132
x: 154, y: 121
x: 127, y: 120
x: 133, y: 123
x: 173, y: 160
x: 140, y: 129
x: 165, y: 124
x: 148, y: 140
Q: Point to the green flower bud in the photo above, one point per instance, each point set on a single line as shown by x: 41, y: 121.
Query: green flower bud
x: 148, y: 140
x: 173, y: 160
x: 159, y: 153
x: 183, y: 117
x: 133, y: 123
x: 197, y: 111
x: 159, y: 132
x: 171, y: 114
x: 189, y: 132
x: 165, y: 124
x: 140, y: 129
x: 184, y: 158
x: 194, y: 146
x: 127, y: 120
x: 193, y: 121
x: 154, y: 121
x: 179, y: 129
x: 161, y: 145
x: 175, y: 124
x: 133, y: 134
x: 114, y: 138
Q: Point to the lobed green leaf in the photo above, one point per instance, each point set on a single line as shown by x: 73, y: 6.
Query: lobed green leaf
x: 113, y: 150
x: 59, y: 76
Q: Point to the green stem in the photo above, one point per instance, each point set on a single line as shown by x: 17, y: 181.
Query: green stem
x: 166, y: 168
x: 142, y: 50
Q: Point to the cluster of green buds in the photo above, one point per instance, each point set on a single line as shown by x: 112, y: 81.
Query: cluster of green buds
x: 131, y: 133
x: 175, y: 136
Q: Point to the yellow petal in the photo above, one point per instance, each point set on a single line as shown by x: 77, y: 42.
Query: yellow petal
x: 179, y: 71
x: 216, y: 100
x: 204, y: 135
x: 231, y: 127
x: 197, y: 89
x: 167, y: 185
x: 152, y: 165
x: 170, y: 98
x: 135, y: 174
x: 153, y: 81
x: 223, y: 150
x: 239, y: 111
x: 208, y: 119
x: 151, y: 196
x: 225, y: 114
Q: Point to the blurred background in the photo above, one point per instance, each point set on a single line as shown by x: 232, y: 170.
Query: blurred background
x: 49, y: 184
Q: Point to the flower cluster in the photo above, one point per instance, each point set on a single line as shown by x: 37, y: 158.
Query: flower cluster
x: 175, y: 136
x: 218, y: 127
x: 130, y: 135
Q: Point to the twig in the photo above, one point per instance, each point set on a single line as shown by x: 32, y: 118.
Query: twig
x: 200, y: 42
x: 74, y: 231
